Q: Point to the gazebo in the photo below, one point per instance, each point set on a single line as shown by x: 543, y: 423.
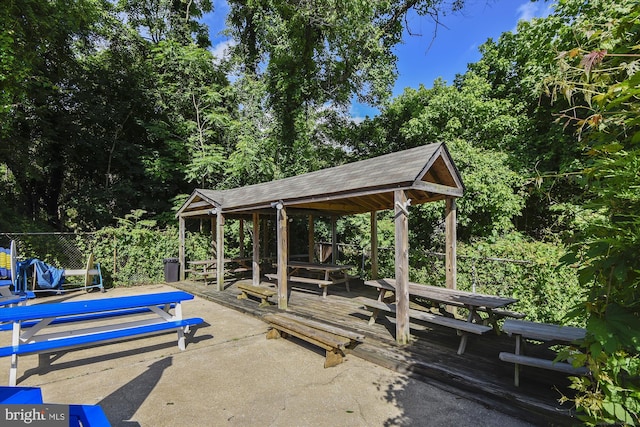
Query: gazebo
x: 393, y: 181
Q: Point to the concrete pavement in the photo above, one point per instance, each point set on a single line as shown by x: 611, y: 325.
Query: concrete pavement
x: 231, y: 375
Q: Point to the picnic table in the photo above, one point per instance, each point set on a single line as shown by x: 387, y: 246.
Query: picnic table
x: 319, y: 274
x: 203, y: 268
x: 442, y: 297
x: 548, y: 335
x: 494, y: 306
x: 34, y: 330
x: 208, y: 268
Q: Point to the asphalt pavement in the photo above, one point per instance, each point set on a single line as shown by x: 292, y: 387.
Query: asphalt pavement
x: 231, y: 375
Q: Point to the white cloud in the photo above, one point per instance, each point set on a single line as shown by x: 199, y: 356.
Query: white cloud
x: 221, y: 50
x: 529, y: 10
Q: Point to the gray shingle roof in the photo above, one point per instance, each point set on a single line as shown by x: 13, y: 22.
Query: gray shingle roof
x: 361, y: 186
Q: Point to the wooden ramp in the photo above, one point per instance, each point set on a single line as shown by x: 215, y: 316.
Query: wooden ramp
x: 478, y: 374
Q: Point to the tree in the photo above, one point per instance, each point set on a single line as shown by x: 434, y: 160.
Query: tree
x: 599, y: 75
x: 315, y: 55
x: 37, y: 45
x: 476, y: 127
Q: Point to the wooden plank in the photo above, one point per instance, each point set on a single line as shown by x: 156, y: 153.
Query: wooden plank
x: 257, y: 290
x: 535, y: 362
x: 283, y: 255
x: 255, y: 261
x: 329, y: 328
x: 220, y: 250
x: 311, y: 280
x: 374, y: 244
x: 507, y: 313
x: 322, y: 338
x: 430, y: 317
x: 543, y: 331
x: 380, y: 283
x: 334, y: 240
x: 311, y: 241
x: 450, y: 247
x: 402, y: 266
x: 448, y: 296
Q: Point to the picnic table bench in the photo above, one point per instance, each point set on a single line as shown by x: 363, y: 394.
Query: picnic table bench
x: 492, y: 305
x: 261, y: 292
x: 319, y: 274
x: 335, y: 341
x: 463, y: 327
x: 546, y: 333
x: 79, y: 415
x: 119, y: 318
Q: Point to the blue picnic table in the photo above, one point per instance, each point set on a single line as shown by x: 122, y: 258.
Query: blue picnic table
x: 120, y: 319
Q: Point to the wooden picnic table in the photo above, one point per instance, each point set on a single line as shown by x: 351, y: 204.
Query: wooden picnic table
x: 493, y: 305
x: 319, y: 274
x: 207, y: 268
x: 34, y: 331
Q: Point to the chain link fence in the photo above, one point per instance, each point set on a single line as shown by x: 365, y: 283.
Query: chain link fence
x: 71, y: 250
x: 545, y: 290
x: 68, y: 250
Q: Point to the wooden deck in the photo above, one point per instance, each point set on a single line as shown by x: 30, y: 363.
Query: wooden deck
x: 478, y: 374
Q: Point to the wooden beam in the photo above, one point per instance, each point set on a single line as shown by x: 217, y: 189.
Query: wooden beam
x: 256, y: 250
x: 431, y: 187
x: 311, y: 238
x: 199, y: 204
x: 241, y: 237
x: 374, y: 245
x: 213, y: 253
x: 181, y: 256
x: 265, y: 236
x: 283, y: 255
x: 202, y: 212
x: 334, y: 240
x: 450, y: 243
x: 402, y: 266
x: 220, y: 251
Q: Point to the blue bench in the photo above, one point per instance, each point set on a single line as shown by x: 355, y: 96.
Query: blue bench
x: 18, y: 395
x: 87, y: 416
x: 85, y: 317
x: 79, y: 415
x: 80, y: 314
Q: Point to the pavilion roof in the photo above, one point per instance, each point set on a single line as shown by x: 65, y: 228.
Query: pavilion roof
x: 427, y: 173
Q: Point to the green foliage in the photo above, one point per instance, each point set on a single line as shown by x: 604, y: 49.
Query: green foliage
x: 476, y: 128
x: 133, y: 252
x: 510, y: 266
x: 599, y: 76
x: 315, y: 54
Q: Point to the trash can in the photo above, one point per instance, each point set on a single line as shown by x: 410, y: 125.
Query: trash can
x: 171, y: 269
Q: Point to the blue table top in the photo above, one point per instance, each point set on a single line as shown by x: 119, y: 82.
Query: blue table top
x: 40, y: 311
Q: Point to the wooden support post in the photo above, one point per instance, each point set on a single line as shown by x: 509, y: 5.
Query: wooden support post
x: 256, y: 250
x: 220, y: 247
x: 283, y: 255
x: 214, y: 244
x: 334, y: 240
x: 450, y: 242
x: 402, y: 266
x: 265, y: 237
x: 181, y: 256
x: 311, y: 238
x: 374, y: 245
x: 241, y: 237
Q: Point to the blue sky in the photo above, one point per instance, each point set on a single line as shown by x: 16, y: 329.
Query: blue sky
x: 423, y: 58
